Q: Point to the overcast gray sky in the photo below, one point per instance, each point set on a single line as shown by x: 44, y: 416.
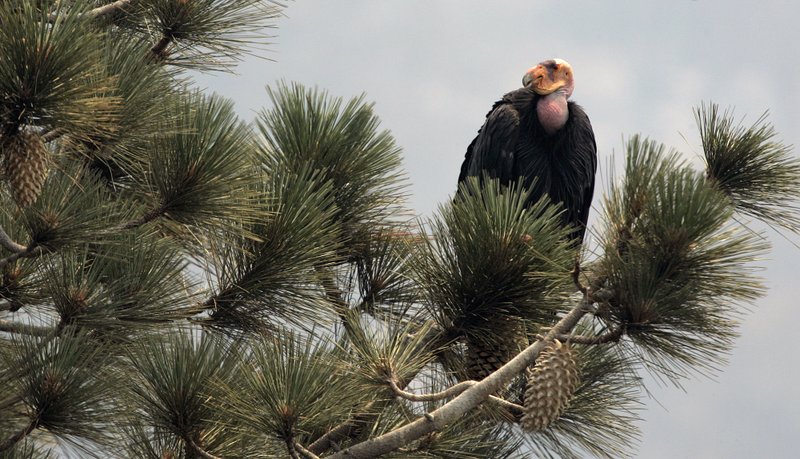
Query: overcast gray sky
x: 434, y: 67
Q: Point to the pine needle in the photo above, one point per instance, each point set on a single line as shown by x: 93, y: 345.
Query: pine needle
x: 751, y: 166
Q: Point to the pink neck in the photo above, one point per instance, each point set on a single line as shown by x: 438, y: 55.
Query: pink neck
x: 552, y: 111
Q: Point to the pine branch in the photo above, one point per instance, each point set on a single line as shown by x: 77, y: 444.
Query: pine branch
x: 72, y: 208
x: 352, y: 427
x: 451, y: 392
x: 34, y: 250
x: 576, y: 273
x: 469, y: 399
x: 18, y: 436
x: 333, y: 293
x: 144, y: 219
x: 197, y: 449
x: 341, y: 432
x: 610, y: 336
x: 306, y: 453
x: 108, y: 9
x: 51, y: 135
x: 100, y: 11
x: 8, y: 243
x: 210, y: 35
x: 513, y: 408
x: 290, y: 446
x: 758, y: 172
x: 30, y: 251
x: 159, y: 49
x: 31, y: 330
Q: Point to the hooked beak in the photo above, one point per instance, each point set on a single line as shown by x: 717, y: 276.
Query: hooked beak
x: 543, y: 80
x: 533, y: 76
x: 539, y: 79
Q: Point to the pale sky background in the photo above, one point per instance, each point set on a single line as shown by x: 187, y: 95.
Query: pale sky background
x: 434, y: 68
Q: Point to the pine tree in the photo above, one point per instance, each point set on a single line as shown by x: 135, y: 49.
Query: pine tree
x: 177, y: 283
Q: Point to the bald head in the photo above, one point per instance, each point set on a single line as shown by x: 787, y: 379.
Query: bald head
x: 550, y: 76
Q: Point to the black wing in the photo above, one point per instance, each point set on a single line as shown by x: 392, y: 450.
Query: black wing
x: 584, y: 164
x: 492, y: 151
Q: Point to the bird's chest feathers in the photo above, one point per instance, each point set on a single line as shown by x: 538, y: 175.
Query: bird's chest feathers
x: 550, y: 158
x: 552, y: 112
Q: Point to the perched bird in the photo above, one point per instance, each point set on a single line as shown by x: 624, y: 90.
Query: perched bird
x: 534, y: 132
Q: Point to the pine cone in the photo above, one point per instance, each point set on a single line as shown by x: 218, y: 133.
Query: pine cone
x: 25, y: 165
x: 485, y: 355
x: 551, y: 385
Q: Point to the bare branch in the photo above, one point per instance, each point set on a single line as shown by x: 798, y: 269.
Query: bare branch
x: 51, y: 135
x: 515, y: 409
x: 306, y: 453
x: 576, y: 274
x: 108, y: 9
x: 24, y: 329
x: 8, y: 243
x: 449, y: 392
x: 203, y: 453
x: 100, y: 11
x: 290, y: 445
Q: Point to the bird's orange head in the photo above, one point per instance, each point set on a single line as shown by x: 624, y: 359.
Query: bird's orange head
x: 550, y: 76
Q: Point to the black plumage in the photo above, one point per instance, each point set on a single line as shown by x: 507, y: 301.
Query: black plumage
x: 512, y: 143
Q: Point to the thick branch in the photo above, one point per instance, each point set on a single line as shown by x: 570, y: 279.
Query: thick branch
x: 469, y: 399
x: 24, y: 329
x: 22, y: 433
